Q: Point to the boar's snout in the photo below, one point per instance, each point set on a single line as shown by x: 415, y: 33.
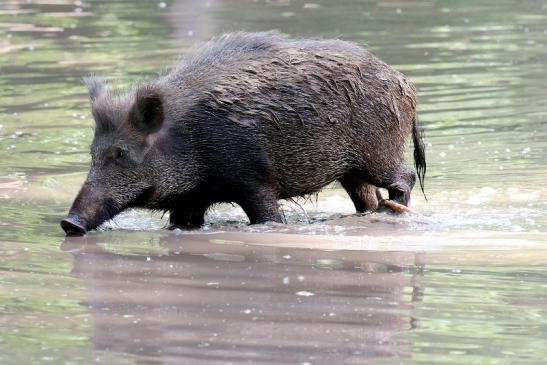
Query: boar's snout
x: 73, y: 225
x: 90, y: 209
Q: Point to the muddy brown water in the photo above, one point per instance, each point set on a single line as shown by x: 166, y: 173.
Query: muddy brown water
x: 463, y: 281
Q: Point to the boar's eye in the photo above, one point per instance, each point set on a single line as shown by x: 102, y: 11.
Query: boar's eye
x: 120, y: 154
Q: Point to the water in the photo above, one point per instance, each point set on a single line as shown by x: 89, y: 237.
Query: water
x: 464, y: 281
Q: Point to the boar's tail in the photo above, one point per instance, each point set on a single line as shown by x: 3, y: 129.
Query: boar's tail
x: 419, y: 153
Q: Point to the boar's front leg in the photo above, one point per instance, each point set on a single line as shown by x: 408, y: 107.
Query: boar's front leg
x: 187, y: 218
x: 261, y: 207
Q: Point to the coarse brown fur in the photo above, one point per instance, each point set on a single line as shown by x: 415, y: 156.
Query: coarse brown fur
x: 251, y: 118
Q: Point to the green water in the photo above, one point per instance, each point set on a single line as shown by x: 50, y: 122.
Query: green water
x: 463, y: 282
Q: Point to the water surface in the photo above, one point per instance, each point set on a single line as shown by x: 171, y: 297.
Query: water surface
x: 463, y: 281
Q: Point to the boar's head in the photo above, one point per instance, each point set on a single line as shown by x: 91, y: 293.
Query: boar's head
x: 126, y: 155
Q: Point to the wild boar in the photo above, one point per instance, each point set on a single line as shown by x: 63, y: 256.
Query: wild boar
x: 250, y: 118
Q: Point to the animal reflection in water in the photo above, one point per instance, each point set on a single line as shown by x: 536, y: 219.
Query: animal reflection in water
x: 202, y: 302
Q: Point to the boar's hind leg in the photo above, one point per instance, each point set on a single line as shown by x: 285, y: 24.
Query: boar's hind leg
x: 261, y: 207
x: 186, y: 219
x: 400, y: 185
x: 364, y: 196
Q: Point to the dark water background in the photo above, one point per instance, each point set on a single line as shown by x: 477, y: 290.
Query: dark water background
x: 464, y: 282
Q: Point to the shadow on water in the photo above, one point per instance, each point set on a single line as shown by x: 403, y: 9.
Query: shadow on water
x: 206, y: 303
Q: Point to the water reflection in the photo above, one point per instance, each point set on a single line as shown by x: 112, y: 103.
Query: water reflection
x: 201, y: 302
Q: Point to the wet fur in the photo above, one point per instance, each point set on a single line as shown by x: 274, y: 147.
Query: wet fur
x: 255, y: 117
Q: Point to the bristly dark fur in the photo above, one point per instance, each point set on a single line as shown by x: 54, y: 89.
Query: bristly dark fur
x: 252, y: 118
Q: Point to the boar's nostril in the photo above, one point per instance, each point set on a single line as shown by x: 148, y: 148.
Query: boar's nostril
x: 72, y: 226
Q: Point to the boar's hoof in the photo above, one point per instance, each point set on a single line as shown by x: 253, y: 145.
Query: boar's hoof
x: 394, y: 207
x: 72, y: 227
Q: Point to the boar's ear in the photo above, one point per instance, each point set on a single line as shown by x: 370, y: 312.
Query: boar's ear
x: 146, y: 114
x: 96, y: 86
